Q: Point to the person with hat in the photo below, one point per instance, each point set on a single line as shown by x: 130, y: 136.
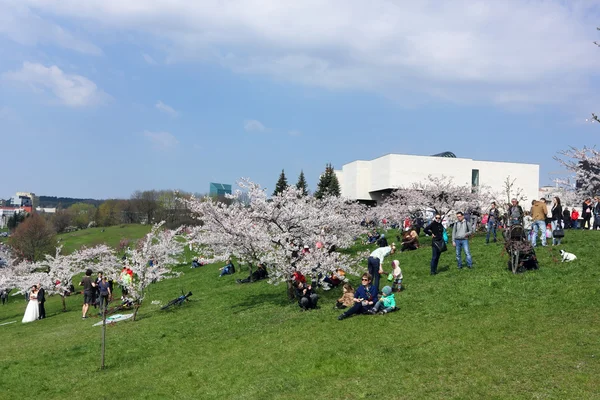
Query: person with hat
x: 386, y: 304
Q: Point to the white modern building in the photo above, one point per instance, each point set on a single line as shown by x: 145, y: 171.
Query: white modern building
x: 368, y: 181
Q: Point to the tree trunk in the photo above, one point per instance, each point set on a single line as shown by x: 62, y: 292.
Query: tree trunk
x: 64, y: 304
x: 290, y: 290
x: 137, y: 306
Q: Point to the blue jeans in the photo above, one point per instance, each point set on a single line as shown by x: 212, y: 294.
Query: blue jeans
x: 463, y: 244
x: 435, y: 258
x: 538, y: 226
x: 373, y: 269
x: 491, y: 226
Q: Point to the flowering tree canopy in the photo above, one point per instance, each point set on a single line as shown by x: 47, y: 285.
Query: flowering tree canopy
x: 438, y: 193
x: 151, y: 260
x: 584, y: 166
x: 273, y: 231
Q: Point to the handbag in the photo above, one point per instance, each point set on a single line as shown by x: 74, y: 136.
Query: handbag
x: 440, y: 245
x: 558, y: 233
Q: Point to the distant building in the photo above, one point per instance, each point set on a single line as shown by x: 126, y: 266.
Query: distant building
x: 23, y: 199
x: 369, y: 181
x: 219, y: 189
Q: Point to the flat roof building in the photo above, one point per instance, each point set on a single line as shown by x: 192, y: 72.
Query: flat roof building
x: 369, y: 181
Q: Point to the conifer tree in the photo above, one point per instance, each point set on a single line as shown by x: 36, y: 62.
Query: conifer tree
x: 328, y: 184
x: 334, y: 183
x: 281, y: 184
x: 302, y: 185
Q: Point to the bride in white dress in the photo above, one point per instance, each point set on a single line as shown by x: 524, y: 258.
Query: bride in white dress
x: 32, y: 312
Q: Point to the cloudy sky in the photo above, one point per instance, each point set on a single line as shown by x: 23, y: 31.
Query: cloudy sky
x: 100, y: 98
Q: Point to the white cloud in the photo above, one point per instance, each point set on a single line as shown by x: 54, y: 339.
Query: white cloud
x: 162, y: 107
x: 161, y: 140
x: 252, y: 125
x: 70, y: 89
x: 149, y: 59
x: 25, y: 27
x: 464, y: 50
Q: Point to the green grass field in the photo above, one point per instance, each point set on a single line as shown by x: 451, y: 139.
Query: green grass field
x: 111, y: 236
x: 471, y: 334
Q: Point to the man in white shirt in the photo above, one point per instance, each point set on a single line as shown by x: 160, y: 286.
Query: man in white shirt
x: 375, y: 262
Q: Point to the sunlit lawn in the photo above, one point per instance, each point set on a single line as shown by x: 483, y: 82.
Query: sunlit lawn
x: 484, y: 333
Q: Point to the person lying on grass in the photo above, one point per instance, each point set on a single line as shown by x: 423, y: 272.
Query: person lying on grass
x: 259, y: 274
x: 365, y: 297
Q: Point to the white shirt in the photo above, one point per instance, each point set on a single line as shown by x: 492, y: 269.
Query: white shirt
x: 381, y: 252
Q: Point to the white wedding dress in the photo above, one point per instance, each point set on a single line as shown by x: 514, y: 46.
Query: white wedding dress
x: 32, y: 312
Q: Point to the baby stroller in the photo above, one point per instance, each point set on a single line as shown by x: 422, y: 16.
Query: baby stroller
x: 519, y: 249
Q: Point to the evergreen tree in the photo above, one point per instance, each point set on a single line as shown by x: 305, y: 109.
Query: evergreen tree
x: 334, y: 184
x: 328, y: 184
x: 302, y: 185
x: 281, y: 184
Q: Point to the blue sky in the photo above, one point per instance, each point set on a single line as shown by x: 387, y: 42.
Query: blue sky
x: 101, y: 98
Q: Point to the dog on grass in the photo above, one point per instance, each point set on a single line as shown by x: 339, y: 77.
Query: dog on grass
x: 565, y: 256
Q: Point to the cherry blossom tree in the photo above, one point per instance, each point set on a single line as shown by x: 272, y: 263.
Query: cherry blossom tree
x: 162, y: 247
x: 273, y: 230
x: 438, y: 193
x: 583, y: 165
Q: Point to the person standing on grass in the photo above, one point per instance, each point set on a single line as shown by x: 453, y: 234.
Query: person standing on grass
x: 574, y: 219
x: 88, y: 292
x: 586, y: 210
x: 436, y: 230
x: 539, y: 211
x: 492, y: 222
x: 375, y: 262
x: 515, y: 213
x: 461, y: 231
x: 41, y: 298
x: 557, y: 214
x: 566, y: 218
x: 104, y: 294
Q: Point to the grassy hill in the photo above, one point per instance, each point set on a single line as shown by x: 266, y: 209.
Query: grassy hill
x: 110, y: 236
x: 481, y: 333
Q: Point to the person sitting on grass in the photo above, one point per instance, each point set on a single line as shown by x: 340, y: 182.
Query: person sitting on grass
x: 335, y: 279
x: 386, y: 304
x: 365, y: 297
x: 297, y: 276
x: 382, y: 241
x: 410, y: 240
x: 228, y: 269
x: 196, y: 263
x: 259, y: 274
x: 347, y: 299
x: 307, y: 298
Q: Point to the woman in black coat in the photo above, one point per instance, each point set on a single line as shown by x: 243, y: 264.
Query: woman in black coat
x: 557, y: 216
x: 436, y: 230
